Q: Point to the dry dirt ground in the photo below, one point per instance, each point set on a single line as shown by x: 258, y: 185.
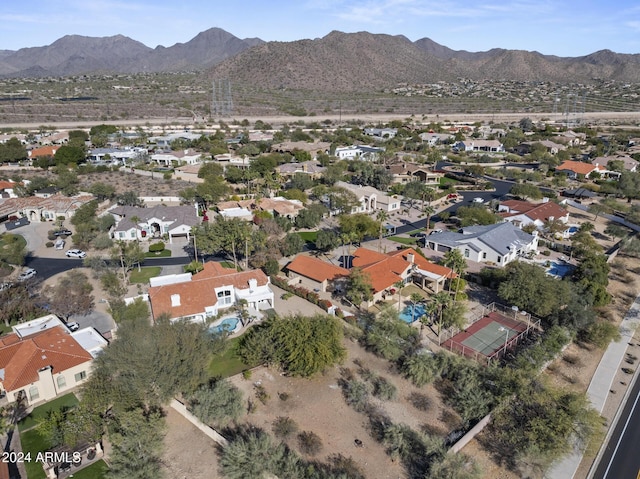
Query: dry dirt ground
x: 318, y: 405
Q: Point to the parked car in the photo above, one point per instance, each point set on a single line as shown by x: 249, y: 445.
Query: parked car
x: 478, y: 200
x: 27, y: 274
x: 73, y: 326
x: 76, y: 253
x: 62, y: 233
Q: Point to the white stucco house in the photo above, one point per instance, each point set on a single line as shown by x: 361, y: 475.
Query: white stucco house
x: 199, y: 297
x: 498, y: 244
x: 135, y: 223
x: 370, y: 199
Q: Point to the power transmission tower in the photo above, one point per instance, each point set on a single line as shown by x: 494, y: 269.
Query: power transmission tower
x: 221, y: 100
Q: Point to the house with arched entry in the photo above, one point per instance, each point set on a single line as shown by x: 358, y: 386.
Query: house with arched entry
x: 134, y: 223
x: 37, y: 209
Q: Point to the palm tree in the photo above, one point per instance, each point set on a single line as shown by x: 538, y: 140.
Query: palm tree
x: 399, y: 285
x: 415, y: 299
x: 453, y: 259
x: 429, y: 211
x: 442, y: 300
x: 381, y: 216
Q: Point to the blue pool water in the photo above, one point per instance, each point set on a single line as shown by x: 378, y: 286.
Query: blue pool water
x: 226, y: 325
x: 559, y: 269
x: 405, y: 315
x: 573, y: 229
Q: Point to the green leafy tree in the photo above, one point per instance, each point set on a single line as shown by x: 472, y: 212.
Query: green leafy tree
x: 228, y: 236
x: 359, y: 287
x: 327, y: 240
x: 66, y: 155
x: 102, y: 191
x: 128, y: 254
x: 476, y: 215
x: 358, y: 226
x: 291, y: 244
x: 525, y: 191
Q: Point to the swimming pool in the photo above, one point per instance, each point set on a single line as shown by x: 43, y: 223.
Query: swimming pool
x: 559, y: 270
x: 229, y: 325
x: 405, y: 315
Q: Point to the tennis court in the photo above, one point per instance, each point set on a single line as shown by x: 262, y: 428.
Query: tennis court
x: 488, y: 337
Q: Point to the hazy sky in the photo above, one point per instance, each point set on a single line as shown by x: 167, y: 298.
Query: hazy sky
x: 553, y: 27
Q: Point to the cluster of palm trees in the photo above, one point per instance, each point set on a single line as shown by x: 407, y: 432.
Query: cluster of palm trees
x: 443, y: 308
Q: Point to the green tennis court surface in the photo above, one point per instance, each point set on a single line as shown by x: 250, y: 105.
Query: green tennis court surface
x: 490, y: 338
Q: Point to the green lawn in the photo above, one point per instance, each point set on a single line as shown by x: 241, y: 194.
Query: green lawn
x: 32, y: 442
x: 165, y: 253
x: 97, y: 470
x: 228, y: 363
x: 69, y: 400
x: 444, y: 181
x: 142, y: 276
x: 229, y: 264
x: 403, y: 240
x: 308, y: 236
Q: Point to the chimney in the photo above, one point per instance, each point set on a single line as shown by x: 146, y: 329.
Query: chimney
x: 304, y: 167
x: 175, y: 300
x: 410, y: 258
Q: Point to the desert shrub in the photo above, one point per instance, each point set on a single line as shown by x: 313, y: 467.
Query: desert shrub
x: 420, y: 401
x: 49, y: 244
x: 309, y: 443
x: 102, y: 241
x: 283, y: 427
x: 261, y: 394
x: 356, y: 394
x: 383, y: 389
x: 216, y: 403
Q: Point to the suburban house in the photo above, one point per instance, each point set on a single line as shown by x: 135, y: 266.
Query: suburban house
x: 42, y: 359
x: 385, y: 270
x: 361, y: 152
x: 371, y: 199
x: 261, y: 135
x: 197, y: 297
x: 312, y: 168
x: 135, y: 223
x: 166, y: 140
x: 7, y: 189
x: 523, y: 213
x: 246, y: 209
x: 404, y: 172
x: 479, y: 145
x: 37, y: 209
x: 550, y: 146
x: 229, y: 159
x: 571, y: 138
x: 115, y: 155
x: 292, y: 146
x: 315, y: 274
x: 381, y: 133
x: 433, y: 139
x: 628, y: 163
x: 573, y: 169
x: 182, y: 157
x: 42, y: 152
x: 499, y: 243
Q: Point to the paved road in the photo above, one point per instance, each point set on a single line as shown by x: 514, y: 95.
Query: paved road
x: 621, y: 459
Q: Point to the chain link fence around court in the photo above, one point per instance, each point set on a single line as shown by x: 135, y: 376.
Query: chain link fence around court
x: 494, y: 330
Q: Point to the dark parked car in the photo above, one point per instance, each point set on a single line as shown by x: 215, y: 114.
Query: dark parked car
x: 62, y: 233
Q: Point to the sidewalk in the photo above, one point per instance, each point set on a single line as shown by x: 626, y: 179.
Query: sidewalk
x: 601, y: 384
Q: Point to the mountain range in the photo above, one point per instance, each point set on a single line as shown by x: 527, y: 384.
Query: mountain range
x: 337, y: 62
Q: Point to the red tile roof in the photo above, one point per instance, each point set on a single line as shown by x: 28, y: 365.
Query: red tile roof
x: 579, y: 167
x: 21, y: 359
x: 199, y: 293
x: 316, y: 269
x: 43, y: 151
x: 387, y: 269
x: 540, y: 212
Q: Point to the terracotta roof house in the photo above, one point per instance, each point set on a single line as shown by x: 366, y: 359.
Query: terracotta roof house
x: 403, y: 265
x: 203, y: 295
x: 39, y: 363
x: 134, y: 223
x: 499, y: 243
x: 43, y: 151
x: 523, y: 213
x: 37, y: 209
x: 7, y: 189
x: 575, y: 168
x: 315, y: 274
